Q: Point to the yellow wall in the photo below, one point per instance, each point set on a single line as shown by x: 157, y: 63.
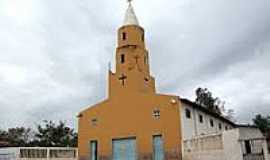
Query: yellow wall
x: 131, y: 115
x: 128, y: 112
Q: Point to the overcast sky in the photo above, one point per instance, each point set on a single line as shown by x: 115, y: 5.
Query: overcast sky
x: 54, y: 54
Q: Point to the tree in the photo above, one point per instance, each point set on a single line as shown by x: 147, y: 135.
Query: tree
x: 18, y: 137
x: 206, y: 99
x: 263, y: 123
x: 3, y: 135
x: 55, y: 135
x: 47, y: 134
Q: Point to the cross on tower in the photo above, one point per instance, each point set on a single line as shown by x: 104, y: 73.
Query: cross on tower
x: 136, y: 58
x: 129, y: 1
x: 123, y: 78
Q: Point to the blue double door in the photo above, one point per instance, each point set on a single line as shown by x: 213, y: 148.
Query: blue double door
x: 124, y: 149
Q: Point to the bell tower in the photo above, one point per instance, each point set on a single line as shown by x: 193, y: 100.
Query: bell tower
x: 132, y: 59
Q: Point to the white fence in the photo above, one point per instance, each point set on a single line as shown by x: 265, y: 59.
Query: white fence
x: 38, y: 153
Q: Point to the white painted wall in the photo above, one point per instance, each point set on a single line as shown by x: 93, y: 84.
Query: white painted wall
x: 14, y: 153
x: 193, y: 127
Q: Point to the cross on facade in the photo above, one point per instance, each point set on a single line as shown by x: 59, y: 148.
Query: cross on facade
x: 123, y: 78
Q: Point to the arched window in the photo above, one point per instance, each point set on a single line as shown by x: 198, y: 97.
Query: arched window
x: 220, y: 126
x: 122, y: 59
x: 124, y: 36
x: 212, y: 122
x: 188, y: 113
x: 201, y: 118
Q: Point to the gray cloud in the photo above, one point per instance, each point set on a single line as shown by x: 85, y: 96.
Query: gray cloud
x: 54, y: 54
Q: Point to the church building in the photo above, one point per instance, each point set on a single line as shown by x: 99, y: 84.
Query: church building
x: 134, y: 122
x: 137, y: 123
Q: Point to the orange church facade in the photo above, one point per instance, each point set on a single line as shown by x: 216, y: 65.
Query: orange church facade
x: 134, y: 122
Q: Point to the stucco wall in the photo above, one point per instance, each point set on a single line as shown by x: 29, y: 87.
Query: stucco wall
x: 131, y: 115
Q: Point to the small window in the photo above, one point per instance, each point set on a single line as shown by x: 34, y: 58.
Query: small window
x: 212, y: 122
x: 93, y: 150
x: 226, y: 128
x: 188, y: 113
x: 143, y: 37
x: 124, y: 36
x: 156, y: 114
x: 201, y: 118
x: 122, y: 58
x: 94, y: 121
x: 220, y: 126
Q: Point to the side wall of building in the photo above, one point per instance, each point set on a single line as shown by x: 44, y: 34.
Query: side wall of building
x: 193, y: 127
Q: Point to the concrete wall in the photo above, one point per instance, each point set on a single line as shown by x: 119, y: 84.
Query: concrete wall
x: 232, y: 147
x: 206, y: 155
x: 204, y: 148
x: 204, y: 143
x: 227, y: 145
x: 193, y: 127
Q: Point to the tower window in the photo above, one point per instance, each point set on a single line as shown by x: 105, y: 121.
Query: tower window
x: 143, y: 37
x: 188, y: 113
x: 122, y: 58
x: 124, y: 36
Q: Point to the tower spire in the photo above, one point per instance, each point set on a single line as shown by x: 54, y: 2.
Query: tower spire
x: 130, y: 16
